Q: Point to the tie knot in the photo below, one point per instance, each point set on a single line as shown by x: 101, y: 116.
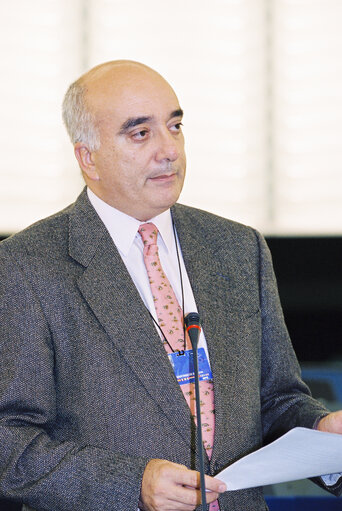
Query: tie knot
x: 149, y: 234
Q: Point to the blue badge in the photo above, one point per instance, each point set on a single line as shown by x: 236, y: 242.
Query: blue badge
x: 183, y: 366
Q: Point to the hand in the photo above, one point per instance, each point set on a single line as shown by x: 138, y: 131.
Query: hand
x: 167, y: 486
x: 331, y: 423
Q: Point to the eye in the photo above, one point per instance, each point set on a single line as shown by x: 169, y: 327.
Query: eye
x: 176, y: 128
x: 140, y: 135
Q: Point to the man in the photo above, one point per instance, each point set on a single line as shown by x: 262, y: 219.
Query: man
x: 91, y: 415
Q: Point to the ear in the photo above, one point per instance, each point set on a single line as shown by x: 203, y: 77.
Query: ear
x: 86, y: 161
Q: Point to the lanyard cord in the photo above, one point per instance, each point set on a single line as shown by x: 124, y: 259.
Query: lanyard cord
x: 182, y: 293
x: 180, y: 276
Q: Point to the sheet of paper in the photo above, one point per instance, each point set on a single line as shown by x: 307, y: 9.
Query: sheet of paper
x: 299, y: 454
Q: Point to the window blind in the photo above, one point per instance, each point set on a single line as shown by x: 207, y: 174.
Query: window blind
x: 260, y: 82
x: 307, y: 116
x: 40, y: 45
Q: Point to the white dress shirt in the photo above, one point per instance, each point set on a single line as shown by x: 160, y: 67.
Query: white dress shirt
x: 123, y: 230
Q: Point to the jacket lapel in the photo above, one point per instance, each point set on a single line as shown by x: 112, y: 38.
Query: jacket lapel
x: 111, y: 294
x: 215, y: 302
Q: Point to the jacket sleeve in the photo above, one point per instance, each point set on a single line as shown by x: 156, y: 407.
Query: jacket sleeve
x: 34, y: 468
x: 285, y: 399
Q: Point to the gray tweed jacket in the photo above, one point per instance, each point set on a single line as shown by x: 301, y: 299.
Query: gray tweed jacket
x: 87, y: 394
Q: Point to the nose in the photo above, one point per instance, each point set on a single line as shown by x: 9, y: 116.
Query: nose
x: 167, y: 147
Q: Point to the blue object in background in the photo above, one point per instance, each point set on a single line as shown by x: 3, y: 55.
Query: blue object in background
x: 304, y: 503
x: 325, y: 383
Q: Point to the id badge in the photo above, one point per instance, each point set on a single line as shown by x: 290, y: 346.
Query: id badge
x: 183, y: 366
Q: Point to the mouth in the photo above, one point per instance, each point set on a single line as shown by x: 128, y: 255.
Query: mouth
x: 163, y: 177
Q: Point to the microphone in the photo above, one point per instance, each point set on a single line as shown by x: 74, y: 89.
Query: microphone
x: 192, y: 327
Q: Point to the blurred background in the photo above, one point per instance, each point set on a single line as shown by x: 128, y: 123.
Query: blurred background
x: 260, y: 82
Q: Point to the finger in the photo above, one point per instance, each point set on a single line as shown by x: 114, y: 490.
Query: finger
x: 332, y: 423
x: 172, y: 505
x: 211, y: 496
x: 191, y: 497
x: 192, y: 478
x: 215, y: 485
x: 177, y: 502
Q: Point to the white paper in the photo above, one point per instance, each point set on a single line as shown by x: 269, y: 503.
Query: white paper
x: 299, y: 454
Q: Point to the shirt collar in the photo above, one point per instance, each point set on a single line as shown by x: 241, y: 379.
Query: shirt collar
x: 123, y: 228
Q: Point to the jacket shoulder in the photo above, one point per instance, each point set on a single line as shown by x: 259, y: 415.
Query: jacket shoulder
x: 39, y: 237
x: 219, y: 229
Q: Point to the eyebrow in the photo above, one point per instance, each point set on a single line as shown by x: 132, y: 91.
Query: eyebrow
x: 135, y: 121
x: 177, y: 113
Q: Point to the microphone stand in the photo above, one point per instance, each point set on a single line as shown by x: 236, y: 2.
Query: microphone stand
x: 193, y: 328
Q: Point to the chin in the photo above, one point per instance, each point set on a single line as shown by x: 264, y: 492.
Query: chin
x: 168, y: 203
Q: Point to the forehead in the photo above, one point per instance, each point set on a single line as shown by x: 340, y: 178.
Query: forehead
x: 129, y: 93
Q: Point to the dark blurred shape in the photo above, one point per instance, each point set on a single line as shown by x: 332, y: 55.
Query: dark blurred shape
x: 309, y: 275
x: 303, y: 504
x: 9, y: 506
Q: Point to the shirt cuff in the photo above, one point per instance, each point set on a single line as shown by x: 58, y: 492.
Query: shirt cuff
x: 331, y: 479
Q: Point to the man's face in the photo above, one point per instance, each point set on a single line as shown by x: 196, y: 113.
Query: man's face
x: 140, y: 165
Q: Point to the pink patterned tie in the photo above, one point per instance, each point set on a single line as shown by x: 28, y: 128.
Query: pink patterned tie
x: 170, y: 319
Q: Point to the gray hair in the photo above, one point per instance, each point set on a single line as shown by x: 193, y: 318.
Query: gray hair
x: 78, y: 120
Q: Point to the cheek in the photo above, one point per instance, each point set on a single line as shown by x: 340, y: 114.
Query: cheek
x: 130, y: 163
